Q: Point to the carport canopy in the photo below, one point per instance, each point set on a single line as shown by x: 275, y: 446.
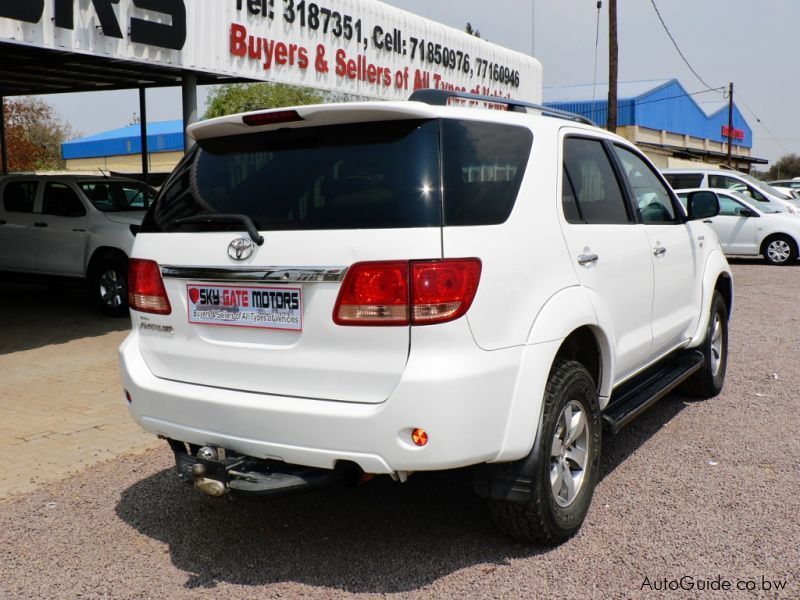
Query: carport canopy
x: 29, y: 71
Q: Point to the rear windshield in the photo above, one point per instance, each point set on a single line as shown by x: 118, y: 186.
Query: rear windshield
x: 115, y: 196
x: 363, y: 176
x: 684, y: 181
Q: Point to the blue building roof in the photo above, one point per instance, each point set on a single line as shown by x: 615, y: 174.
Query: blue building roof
x: 162, y: 136
x: 661, y: 104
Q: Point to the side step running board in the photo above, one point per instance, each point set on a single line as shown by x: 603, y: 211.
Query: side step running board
x: 633, y: 397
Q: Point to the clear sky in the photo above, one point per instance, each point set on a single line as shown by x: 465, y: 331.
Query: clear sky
x: 754, y: 44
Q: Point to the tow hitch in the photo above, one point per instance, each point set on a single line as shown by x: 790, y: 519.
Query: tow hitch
x: 217, y: 472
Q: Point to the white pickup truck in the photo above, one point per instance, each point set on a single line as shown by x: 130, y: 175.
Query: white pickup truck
x: 392, y: 287
x: 71, y: 227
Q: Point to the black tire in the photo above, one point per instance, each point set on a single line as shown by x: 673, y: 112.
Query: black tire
x: 779, y: 250
x: 109, y: 286
x: 546, y: 520
x: 708, y: 381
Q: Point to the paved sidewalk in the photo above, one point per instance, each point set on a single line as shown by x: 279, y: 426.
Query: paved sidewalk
x: 61, y: 403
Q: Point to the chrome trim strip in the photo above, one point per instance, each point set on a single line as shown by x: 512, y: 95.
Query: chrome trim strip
x: 257, y: 274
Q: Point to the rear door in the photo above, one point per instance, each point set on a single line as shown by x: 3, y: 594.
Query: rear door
x: 323, y: 199
x: 610, y: 249
x: 60, y: 231
x: 17, y: 217
x: 737, y: 234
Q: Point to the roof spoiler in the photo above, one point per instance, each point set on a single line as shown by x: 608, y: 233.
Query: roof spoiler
x: 443, y: 97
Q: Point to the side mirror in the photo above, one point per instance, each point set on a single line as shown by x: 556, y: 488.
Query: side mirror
x: 746, y: 212
x: 702, y: 205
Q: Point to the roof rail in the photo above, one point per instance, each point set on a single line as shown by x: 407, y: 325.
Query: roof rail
x: 442, y: 98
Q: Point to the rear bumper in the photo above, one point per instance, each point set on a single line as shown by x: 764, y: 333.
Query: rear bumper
x: 462, y: 398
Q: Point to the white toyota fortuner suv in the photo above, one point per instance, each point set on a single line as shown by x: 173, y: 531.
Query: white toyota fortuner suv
x: 389, y: 287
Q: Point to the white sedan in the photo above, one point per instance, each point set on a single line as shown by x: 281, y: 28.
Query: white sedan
x: 749, y: 228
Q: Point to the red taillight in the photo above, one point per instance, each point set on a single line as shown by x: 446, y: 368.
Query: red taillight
x: 419, y: 292
x: 443, y: 290
x: 271, y: 118
x: 373, y: 293
x: 146, y: 291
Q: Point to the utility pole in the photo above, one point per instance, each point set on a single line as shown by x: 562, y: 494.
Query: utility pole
x: 730, y: 122
x: 613, y: 53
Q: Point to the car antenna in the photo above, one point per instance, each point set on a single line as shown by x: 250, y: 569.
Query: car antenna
x: 104, y: 173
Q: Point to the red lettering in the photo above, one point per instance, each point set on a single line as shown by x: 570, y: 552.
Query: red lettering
x: 281, y: 53
x: 238, y: 35
x: 352, y: 69
x: 254, y: 47
x: 292, y: 52
x: 387, y: 78
x: 302, y: 58
x: 269, y: 50
x: 341, y: 62
x: 371, y: 73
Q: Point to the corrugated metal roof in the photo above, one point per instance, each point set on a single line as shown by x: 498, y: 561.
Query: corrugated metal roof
x: 162, y: 136
x: 660, y: 104
x: 626, y: 90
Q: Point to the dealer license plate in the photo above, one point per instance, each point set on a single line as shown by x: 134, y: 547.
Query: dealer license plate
x: 237, y: 306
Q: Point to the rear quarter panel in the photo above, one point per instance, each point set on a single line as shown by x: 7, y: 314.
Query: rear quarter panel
x: 525, y: 259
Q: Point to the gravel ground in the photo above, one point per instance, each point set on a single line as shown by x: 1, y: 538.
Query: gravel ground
x: 701, y: 489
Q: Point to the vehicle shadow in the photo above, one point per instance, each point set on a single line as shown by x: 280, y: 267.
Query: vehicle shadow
x: 379, y: 538
x: 756, y: 261
x: 617, y: 448
x: 34, y: 315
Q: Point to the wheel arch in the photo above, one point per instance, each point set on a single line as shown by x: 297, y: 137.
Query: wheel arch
x: 101, y: 254
x: 566, y: 326
x: 716, y: 277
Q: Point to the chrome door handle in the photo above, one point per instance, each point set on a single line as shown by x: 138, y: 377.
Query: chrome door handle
x: 659, y: 251
x: 587, y: 259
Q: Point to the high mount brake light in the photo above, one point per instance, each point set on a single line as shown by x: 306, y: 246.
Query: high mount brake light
x: 417, y: 292
x: 271, y: 118
x: 146, y: 291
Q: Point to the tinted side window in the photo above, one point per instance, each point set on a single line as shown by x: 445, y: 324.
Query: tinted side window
x: 60, y: 200
x: 728, y: 207
x: 19, y: 196
x: 483, y: 166
x: 730, y: 183
x: 652, y: 197
x: 597, y: 192
x: 684, y: 181
x: 571, y: 212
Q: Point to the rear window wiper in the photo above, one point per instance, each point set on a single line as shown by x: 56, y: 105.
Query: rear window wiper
x: 249, y: 226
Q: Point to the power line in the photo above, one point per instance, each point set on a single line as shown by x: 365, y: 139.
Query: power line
x: 674, y: 43
x: 760, y: 122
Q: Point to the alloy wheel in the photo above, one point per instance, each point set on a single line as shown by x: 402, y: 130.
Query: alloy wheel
x: 569, y: 453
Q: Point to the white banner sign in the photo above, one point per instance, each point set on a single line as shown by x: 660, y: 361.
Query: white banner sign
x: 361, y: 47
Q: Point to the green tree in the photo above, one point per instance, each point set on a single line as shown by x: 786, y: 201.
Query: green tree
x: 244, y: 97
x: 786, y: 167
x: 34, y: 134
x: 472, y: 31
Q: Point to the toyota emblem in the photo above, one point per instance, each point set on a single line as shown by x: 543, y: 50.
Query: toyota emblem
x: 240, y: 249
